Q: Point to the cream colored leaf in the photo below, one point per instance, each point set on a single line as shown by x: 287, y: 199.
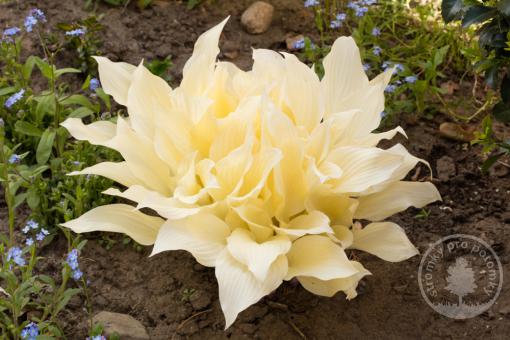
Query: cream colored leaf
x: 118, y: 218
x: 386, y: 240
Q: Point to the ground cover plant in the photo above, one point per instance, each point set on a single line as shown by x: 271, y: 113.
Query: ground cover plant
x: 55, y: 282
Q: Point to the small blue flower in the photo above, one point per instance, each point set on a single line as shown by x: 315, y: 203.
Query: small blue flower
x: 9, y: 33
x: 14, y: 98
x: 29, y: 241
x: 368, y: 2
x: 376, y: 50
x: 352, y: 5
x: 366, y: 67
x: 299, y: 44
x: 399, y: 67
x: 30, y: 332
x: 15, y: 254
x: 77, y: 32
x: 335, y: 24
x: 14, y: 159
x: 97, y: 337
x: 72, y: 261
x: 25, y: 229
x: 376, y: 31
x: 390, y: 88
x: 77, y: 274
x: 360, y: 11
x: 411, y: 79
x: 311, y: 3
x: 30, y: 22
x: 341, y: 16
x: 94, y: 84
x: 34, y: 16
x: 32, y: 224
x: 41, y: 234
x: 383, y: 114
x: 37, y: 13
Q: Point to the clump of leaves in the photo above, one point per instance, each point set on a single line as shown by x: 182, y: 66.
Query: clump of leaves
x: 493, y: 18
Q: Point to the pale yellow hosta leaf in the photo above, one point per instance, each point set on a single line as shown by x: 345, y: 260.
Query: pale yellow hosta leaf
x: 363, y: 168
x: 386, y: 240
x: 199, y: 69
x: 258, y: 257
x: 302, y: 93
x: 239, y: 288
x: 203, y: 235
x: 314, y: 222
x: 339, y: 208
x: 115, y: 78
x: 118, y: 218
x: 118, y: 172
x: 331, y: 287
x: 148, y: 100
x: 343, y: 74
x: 258, y: 173
x: 98, y: 133
x: 258, y: 220
x: 167, y: 207
x: 343, y: 235
x: 318, y: 256
x: 141, y: 158
x: 396, y: 197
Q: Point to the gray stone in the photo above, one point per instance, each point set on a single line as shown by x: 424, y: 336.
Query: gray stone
x: 124, y: 325
x: 257, y: 18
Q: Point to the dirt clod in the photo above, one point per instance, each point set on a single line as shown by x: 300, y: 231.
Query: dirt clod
x: 445, y: 168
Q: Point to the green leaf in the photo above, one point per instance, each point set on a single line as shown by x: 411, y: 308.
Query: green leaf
x: 78, y: 99
x: 33, y: 199
x: 62, y: 71
x: 27, y: 128
x: 104, y: 97
x: 81, y: 112
x: 451, y: 9
x: 46, y: 69
x: 46, y: 105
x: 20, y: 198
x: 477, y: 14
x: 7, y: 90
x: 68, y: 294
x: 29, y: 66
x: 45, y: 145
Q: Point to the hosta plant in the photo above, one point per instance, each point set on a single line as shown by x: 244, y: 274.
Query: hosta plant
x: 263, y: 174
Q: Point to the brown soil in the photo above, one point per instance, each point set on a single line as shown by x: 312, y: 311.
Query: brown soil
x: 389, y: 305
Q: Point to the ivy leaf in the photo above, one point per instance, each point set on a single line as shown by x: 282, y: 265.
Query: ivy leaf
x: 501, y: 112
x: 450, y: 9
x: 477, y: 14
